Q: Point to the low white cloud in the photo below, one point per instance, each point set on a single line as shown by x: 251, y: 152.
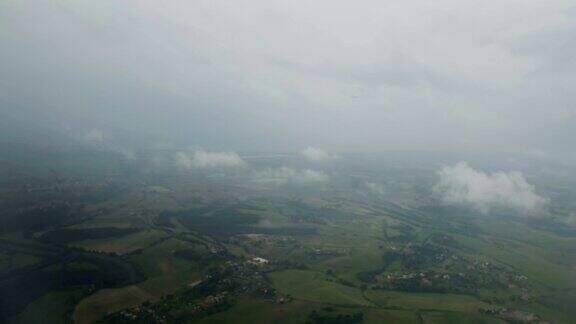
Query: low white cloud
x: 462, y: 185
x: 375, y: 188
x: 205, y: 160
x: 95, y: 136
x: 127, y: 154
x: 285, y: 175
x: 312, y: 154
x: 183, y: 160
x: 163, y: 145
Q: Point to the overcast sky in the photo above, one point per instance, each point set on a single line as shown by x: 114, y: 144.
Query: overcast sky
x: 284, y: 75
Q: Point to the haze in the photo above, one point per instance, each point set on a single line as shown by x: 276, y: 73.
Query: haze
x: 346, y: 76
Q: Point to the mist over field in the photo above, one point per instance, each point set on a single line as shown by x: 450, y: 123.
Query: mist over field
x: 276, y: 161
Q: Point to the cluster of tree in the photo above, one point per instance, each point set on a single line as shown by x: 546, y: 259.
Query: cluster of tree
x: 202, y: 258
x: 39, y: 216
x: 421, y: 256
x: 369, y: 277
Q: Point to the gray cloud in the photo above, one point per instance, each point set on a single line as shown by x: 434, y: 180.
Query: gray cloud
x: 462, y: 185
x: 272, y: 75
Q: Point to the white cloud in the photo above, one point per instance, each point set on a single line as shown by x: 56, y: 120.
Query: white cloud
x: 375, y: 188
x: 126, y: 153
x: 461, y: 184
x: 183, y: 159
x: 285, y: 175
x: 204, y: 160
x: 95, y: 136
x: 312, y: 154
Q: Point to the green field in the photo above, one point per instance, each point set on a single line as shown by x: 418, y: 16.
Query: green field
x: 425, y: 301
x: 313, y: 286
x: 50, y: 308
x: 191, y: 249
x: 122, y: 245
x: 108, y: 301
x: 166, y: 274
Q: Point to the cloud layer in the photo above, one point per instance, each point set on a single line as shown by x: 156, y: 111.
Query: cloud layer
x: 316, y: 155
x: 95, y: 136
x: 285, y: 175
x: 375, y: 188
x: 261, y: 75
x: 208, y: 160
x: 462, y: 185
